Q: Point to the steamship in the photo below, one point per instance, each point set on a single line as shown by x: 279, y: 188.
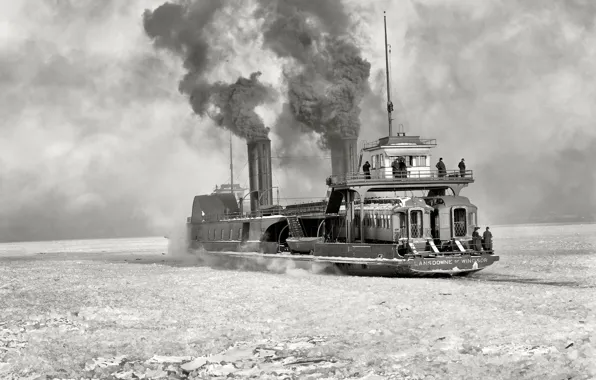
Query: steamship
x: 385, y: 222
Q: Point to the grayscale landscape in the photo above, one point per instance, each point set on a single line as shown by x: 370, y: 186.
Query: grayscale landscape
x: 124, y: 307
x: 116, y: 116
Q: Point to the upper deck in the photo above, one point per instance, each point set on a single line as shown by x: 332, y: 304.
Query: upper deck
x: 399, y: 141
x: 422, y: 179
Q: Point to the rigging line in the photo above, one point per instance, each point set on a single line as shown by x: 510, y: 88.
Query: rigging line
x: 393, y: 88
x: 319, y: 199
x: 277, y: 183
x: 239, y: 172
x: 400, y: 115
x: 325, y: 157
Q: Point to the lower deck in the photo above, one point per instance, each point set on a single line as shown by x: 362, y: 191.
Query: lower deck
x: 353, y: 259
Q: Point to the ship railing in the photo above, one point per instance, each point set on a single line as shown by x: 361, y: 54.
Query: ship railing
x: 428, y: 233
x: 297, y: 209
x: 304, y: 210
x: 370, y: 144
x: 373, y: 144
x: 400, y: 233
x: 412, y: 175
x: 300, y: 202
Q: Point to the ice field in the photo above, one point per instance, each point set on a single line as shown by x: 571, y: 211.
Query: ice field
x: 131, y: 306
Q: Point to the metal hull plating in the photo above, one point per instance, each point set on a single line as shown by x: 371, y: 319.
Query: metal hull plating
x: 258, y: 256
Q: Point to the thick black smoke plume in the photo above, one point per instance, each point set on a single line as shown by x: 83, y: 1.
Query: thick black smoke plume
x: 326, y: 76
x: 182, y: 29
x: 235, y: 105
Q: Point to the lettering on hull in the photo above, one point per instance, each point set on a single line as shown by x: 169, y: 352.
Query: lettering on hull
x: 458, y: 261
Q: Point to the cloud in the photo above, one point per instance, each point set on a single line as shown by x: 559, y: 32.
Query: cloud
x: 98, y: 140
x: 506, y: 84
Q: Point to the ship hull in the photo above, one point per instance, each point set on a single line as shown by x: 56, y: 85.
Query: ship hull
x: 323, y: 260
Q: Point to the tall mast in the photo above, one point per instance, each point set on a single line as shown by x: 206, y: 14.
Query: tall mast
x: 389, y: 103
x: 231, y: 167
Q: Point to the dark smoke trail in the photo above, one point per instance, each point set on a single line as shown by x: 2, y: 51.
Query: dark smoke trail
x: 181, y: 29
x: 327, y: 78
x: 235, y: 104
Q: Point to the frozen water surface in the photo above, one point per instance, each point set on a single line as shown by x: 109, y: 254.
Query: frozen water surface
x: 530, y: 315
x: 554, y: 254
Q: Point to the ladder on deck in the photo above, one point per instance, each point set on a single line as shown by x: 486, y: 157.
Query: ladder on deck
x: 433, y: 246
x: 295, y: 227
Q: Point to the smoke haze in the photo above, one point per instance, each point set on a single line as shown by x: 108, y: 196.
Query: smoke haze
x: 327, y: 76
x: 96, y: 140
x: 509, y: 86
x: 99, y: 138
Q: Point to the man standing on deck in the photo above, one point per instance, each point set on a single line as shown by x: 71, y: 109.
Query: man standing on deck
x: 462, y: 168
x: 441, y: 167
x: 403, y: 169
x: 395, y: 168
x: 366, y: 170
x: 476, y: 240
x: 487, y: 238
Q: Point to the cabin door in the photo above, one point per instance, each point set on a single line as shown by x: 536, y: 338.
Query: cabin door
x: 245, y: 231
x: 416, y: 226
x: 434, y: 224
x: 458, y: 218
x: 399, y: 226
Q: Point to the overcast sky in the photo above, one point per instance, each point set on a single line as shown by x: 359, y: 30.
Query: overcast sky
x: 97, y: 140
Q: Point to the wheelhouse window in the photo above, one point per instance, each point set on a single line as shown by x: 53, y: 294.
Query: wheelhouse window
x: 459, y: 222
x: 472, y: 219
x: 415, y: 161
x: 416, y: 223
x: 399, y: 228
x: 222, y: 234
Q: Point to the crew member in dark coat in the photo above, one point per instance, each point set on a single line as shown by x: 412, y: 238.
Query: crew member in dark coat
x: 462, y: 168
x: 395, y: 168
x: 476, y: 240
x: 487, y: 240
x: 403, y: 169
x: 366, y: 170
x: 441, y: 167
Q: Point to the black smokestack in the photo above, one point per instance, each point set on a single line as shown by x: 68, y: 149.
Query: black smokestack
x: 344, y: 156
x: 259, y: 173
